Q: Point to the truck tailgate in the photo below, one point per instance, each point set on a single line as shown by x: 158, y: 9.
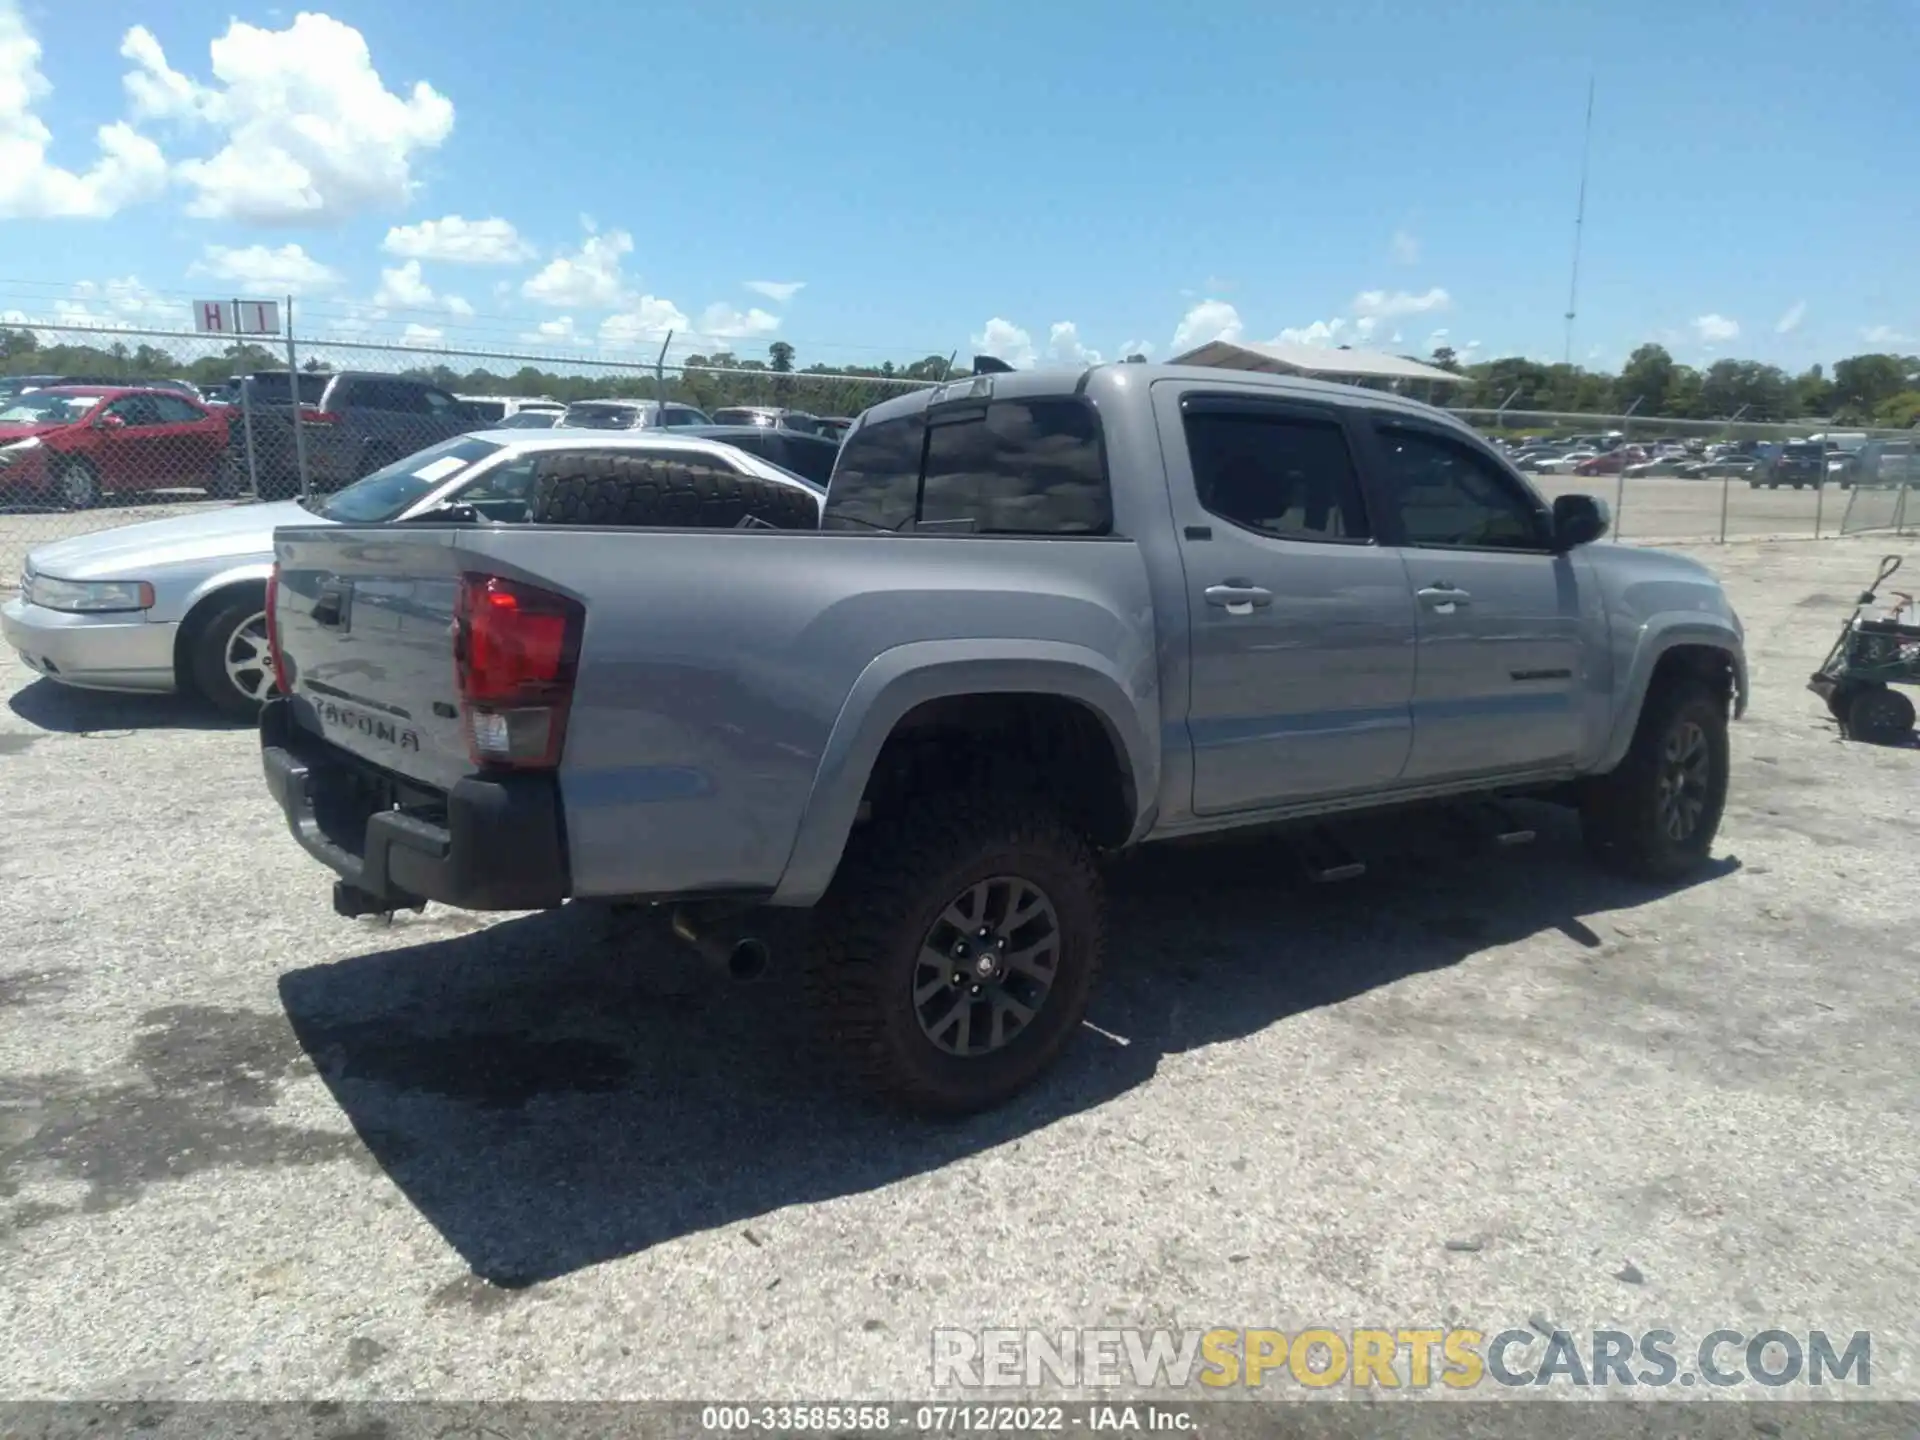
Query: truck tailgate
x: 365, y: 624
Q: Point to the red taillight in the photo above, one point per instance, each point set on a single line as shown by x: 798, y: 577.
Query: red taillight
x: 514, y: 651
x: 318, y: 417
x: 273, y: 628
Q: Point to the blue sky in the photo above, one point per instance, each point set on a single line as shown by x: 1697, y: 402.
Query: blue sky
x: 875, y: 180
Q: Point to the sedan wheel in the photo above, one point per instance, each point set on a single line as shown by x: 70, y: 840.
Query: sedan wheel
x: 249, y: 665
x: 78, y: 485
x: 232, y: 663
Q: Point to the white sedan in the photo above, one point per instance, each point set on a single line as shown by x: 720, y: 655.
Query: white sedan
x: 180, y: 603
x: 1567, y: 463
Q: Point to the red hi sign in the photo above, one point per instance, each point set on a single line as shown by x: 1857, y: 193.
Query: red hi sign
x: 236, y: 317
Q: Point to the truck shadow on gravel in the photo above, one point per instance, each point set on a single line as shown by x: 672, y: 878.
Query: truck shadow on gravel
x: 67, y: 711
x: 547, y: 1108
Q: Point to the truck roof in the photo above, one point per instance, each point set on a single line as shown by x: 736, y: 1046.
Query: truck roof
x: 1120, y: 378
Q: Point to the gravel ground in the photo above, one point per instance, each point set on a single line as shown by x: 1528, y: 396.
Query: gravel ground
x: 249, y: 1150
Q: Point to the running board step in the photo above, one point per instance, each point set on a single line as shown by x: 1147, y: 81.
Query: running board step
x: 1326, y: 860
x: 1492, y: 820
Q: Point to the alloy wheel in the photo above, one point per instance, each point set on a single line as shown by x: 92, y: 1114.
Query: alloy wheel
x: 1685, y: 780
x: 249, y: 662
x: 986, y: 966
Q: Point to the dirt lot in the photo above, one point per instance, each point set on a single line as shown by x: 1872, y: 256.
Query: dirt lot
x: 250, y: 1150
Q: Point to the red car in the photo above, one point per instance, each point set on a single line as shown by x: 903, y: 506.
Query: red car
x: 1611, y: 463
x: 76, y: 443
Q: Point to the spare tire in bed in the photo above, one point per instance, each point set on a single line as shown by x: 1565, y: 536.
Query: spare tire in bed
x: 661, y: 490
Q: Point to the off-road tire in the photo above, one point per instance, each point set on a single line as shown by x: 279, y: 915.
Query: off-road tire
x: 895, y: 881
x: 659, y: 491
x: 207, y: 658
x: 1880, y: 715
x: 1620, y: 811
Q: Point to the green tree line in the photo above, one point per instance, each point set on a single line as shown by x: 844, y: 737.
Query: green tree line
x: 1871, y: 389
x: 1877, y: 389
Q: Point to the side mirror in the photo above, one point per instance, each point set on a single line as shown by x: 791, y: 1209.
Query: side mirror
x: 111, y: 422
x: 1578, y: 520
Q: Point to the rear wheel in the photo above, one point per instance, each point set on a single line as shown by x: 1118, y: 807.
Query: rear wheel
x: 232, y: 667
x: 229, y: 478
x: 78, y: 485
x: 1880, y: 715
x: 956, y: 950
x: 1655, y: 816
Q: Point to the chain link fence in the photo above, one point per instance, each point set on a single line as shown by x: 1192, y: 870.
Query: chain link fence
x: 101, y: 427
x: 1717, y: 480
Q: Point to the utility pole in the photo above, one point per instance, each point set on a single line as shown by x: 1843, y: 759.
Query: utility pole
x: 1579, y: 223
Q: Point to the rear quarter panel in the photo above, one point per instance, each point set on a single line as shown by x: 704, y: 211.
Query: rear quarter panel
x: 717, y: 667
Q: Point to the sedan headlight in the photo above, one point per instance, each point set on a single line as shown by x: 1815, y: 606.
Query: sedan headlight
x: 18, y: 447
x: 87, y: 597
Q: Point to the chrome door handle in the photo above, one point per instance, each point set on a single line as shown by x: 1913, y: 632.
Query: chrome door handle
x: 1234, y: 594
x: 1439, y: 597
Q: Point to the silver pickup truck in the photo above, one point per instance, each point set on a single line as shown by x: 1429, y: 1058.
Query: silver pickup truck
x: 1047, y: 617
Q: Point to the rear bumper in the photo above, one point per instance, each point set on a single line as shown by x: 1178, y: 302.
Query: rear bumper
x: 490, y: 843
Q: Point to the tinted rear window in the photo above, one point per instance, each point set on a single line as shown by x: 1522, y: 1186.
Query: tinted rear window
x: 487, y: 409
x: 1020, y: 467
x: 276, y: 389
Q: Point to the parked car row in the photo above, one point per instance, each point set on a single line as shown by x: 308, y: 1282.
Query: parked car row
x: 73, y: 442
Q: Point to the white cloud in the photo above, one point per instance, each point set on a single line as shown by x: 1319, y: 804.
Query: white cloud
x: 778, y: 291
x: 1207, y: 321
x: 1320, y: 332
x: 310, y: 130
x: 1712, y: 329
x: 458, y: 305
x: 459, y: 241
x: 403, y: 289
x: 288, y: 270
x: 588, y: 278
x: 1382, y: 305
x: 1006, y: 341
x: 1438, y: 338
x: 645, y: 318
x: 425, y: 335
x: 1405, y: 248
x: 115, y: 304
x: 130, y: 167
x: 1063, y: 345
x: 720, y: 321
x: 1790, y: 322
x: 1137, y: 347
x: 1884, y: 335
x: 559, y: 331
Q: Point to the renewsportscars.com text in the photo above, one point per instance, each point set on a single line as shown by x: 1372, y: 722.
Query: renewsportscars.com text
x: 1318, y: 1357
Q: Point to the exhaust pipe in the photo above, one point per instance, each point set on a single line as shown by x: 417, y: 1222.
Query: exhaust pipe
x: 739, y: 957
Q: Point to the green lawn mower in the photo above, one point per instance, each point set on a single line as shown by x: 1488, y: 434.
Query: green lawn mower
x: 1878, y: 648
